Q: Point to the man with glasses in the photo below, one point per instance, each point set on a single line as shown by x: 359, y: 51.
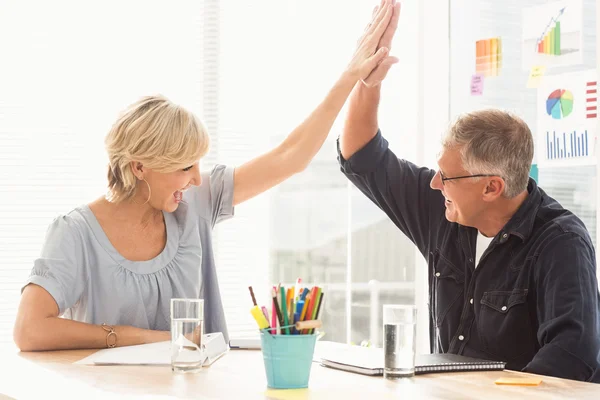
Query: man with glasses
x: 512, y: 274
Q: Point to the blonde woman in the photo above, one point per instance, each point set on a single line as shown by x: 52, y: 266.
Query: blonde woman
x: 119, y: 260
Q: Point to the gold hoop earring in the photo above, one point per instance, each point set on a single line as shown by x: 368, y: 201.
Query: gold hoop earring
x: 149, y: 194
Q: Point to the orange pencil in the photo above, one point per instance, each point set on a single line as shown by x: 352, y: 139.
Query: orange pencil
x: 309, y: 311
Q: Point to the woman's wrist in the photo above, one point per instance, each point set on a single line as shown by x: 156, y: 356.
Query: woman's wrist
x: 157, y: 336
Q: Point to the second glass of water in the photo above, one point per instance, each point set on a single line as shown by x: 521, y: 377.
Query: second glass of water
x: 399, y: 340
x: 187, y: 352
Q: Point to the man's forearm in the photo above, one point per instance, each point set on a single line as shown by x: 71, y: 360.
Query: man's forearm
x: 361, y: 122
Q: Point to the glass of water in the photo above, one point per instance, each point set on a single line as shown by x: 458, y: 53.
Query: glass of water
x: 399, y: 340
x: 187, y: 352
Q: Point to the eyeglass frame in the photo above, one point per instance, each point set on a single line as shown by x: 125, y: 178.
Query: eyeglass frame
x: 444, y: 179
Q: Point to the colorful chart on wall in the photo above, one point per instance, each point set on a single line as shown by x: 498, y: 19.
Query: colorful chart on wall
x: 552, y: 34
x: 559, y: 103
x: 567, y: 117
x: 488, y: 56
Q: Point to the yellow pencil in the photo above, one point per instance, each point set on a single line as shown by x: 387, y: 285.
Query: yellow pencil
x: 306, y: 301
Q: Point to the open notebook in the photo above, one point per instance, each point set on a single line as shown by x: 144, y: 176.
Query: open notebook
x: 369, y: 361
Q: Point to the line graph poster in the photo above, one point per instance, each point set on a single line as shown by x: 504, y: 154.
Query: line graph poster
x: 552, y: 34
x: 567, y: 114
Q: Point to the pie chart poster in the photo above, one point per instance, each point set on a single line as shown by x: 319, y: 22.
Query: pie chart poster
x: 567, y: 116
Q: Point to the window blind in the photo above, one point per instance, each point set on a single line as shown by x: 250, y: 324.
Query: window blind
x: 251, y: 71
x: 69, y: 68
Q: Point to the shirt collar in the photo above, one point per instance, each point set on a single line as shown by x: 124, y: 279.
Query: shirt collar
x: 521, y: 223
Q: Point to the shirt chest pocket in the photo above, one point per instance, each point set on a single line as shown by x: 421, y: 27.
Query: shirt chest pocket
x: 504, y: 323
x: 449, y: 286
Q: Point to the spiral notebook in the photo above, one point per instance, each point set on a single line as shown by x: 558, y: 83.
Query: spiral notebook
x: 369, y: 361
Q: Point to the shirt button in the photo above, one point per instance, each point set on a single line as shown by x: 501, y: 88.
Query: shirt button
x: 437, y: 274
x: 503, y: 308
x: 471, y: 301
x: 470, y: 260
x: 505, y: 236
x: 461, y: 338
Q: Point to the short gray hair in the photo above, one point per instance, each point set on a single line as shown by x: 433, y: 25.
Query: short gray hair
x: 494, y: 142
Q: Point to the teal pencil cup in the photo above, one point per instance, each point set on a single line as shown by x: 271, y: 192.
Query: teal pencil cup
x: 288, y: 359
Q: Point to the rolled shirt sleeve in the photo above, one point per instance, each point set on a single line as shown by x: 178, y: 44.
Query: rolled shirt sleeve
x: 60, y: 269
x: 213, y: 199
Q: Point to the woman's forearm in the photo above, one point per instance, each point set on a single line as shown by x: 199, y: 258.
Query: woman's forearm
x: 303, y: 143
x: 297, y: 150
x: 54, y: 333
x: 295, y: 153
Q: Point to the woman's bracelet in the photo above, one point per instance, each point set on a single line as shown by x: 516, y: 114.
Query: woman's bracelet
x: 110, y: 343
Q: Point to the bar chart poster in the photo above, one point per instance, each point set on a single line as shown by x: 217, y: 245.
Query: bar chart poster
x: 552, y: 34
x: 488, y: 56
x: 567, y: 116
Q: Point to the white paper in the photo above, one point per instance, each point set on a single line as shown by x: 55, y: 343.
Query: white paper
x: 144, y: 354
x: 154, y: 353
x: 249, y: 343
x: 538, y: 22
x: 567, y: 136
x: 364, y: 357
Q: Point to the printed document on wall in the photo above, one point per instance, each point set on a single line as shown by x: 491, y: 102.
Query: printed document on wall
x: 567, y: 114
x: 552, y: 34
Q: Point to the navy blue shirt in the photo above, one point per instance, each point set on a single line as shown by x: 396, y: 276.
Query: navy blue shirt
x: 532, y: 301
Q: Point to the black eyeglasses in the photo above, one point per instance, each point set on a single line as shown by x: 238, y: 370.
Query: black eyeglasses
x: 444, y: 179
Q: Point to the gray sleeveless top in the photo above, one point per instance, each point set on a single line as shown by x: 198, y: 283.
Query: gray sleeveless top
x: 91, y: 282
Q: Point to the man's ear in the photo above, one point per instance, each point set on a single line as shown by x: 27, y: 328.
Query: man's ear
x: 494, y: 188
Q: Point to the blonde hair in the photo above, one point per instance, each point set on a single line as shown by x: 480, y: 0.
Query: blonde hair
x: 494, y: 142
x: 159, y: 134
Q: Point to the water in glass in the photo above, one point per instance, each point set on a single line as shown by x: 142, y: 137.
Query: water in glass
x: 186, y: 344
x: 399, y: 350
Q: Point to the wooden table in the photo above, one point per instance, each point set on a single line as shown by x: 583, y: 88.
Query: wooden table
x: 240, y: 375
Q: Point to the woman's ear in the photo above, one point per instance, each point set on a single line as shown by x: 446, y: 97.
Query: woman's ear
x: 138, y: 169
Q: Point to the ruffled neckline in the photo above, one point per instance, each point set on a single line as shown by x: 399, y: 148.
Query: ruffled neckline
x: 139, y: 267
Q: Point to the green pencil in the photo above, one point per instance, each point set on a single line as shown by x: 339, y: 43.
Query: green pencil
x: 284, y: 310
